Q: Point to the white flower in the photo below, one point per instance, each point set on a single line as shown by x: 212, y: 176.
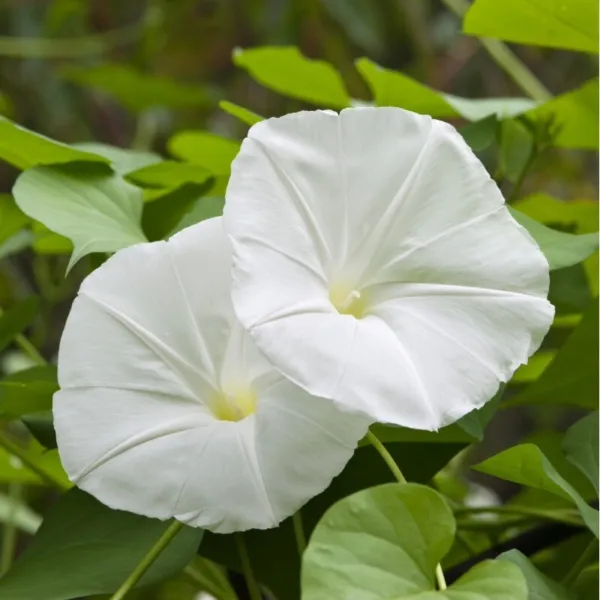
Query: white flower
x: 376, y: 264
x: 167, y: 409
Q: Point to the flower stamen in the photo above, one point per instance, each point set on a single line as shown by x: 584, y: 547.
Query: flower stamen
x: 234, y: 405
x: 347, y: 301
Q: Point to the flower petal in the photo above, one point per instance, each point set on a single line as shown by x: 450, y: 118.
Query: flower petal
x: 379, y: 201
x: 150, y: 340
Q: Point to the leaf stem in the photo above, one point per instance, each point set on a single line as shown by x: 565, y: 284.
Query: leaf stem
x: 299, y: 532
x: 165, y: 539
x: 16, y: 450
x: 30, y: 350
x: 395, y: 469
x: 560, y: 516
x: 580, y: 563
x: 506, y: 59
x: 251, y: 583
x: 387, y: 457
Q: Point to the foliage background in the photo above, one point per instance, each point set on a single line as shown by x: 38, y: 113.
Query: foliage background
x: 49, y: 51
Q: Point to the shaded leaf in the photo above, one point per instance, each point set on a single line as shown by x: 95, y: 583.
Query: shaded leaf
x: 554, y: 23
x: 516, y: 148
x: 122, y: 160
x: 580, y: 446
x: 85, y: 548
x: 27, y: 391
x: 284, y: 70
x: 98, y: 212
x: 527, y: 465
x: 206, y: 149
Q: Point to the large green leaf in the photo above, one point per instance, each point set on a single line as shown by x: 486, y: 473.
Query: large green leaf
x: 17, y: 318
x: 206, y: 149
x: 571, y: 24
x: 575, y: 115
x: 527, y: 465
x: 122, y: 160
x: 560, y: 248
x: 540, y: 586
x: 12, y: 219
x: 284, y: 70
x: 572, y: 377
x: 24, y: 149
x: 273, y: 553
x: 27, y: 391
x: 385, y: 542
x: 136, y: 90
x: 580, y: 445
x: 98, y: 212
x: 391, y: 88
x: 85, y: 548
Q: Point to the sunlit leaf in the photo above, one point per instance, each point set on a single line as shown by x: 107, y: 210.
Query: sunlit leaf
x: 385, y: 542
x: 560, y: 248
x: 98, y: 212
x: 206, y: 149
x: 570, y: 24
x: 169, y: 174
x: 85, y: 548
x: 48, y: 242
x: 24, y: 149
x: 540, y: 586
x: 136, y: 90
x: 11, y: 218
x: 391, y: 88
x: 580, y: 446
x: 574, y: 115
x: 17, y: 318
x: 239, y: 112
x: 284, y: 70
x: 572, y: 377
x: 527, y: 465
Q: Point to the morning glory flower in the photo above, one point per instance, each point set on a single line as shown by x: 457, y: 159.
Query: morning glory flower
x: 167, y: 409
x: 375, y: 264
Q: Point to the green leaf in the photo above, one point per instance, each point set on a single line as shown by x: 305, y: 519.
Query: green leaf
x: 560, y: 248
x: 85, y: 548
x: 27, y: 391
x: 239, y: 112
x: 136, y: 90
x: 480, y: 134
x: 575, y: 115
x: 527, y: 465
x: 540, y: 586
x: 273, y: 553
x: 284, y: 70
x: 24, y: 149
x: 13, y: 470
x: 385, y: 542
x: 98, y: 212
x: 41, y: 426
x: 16, y: 319
x: 572, y: 377
x: 391, y: 88
x: 15, y: 244
x: 571, y: 24
x: 586, y: 585
x: 12, y: 219
x: 203, y: 208
x: 580, y: 445
x: 206, y: 149
x: 48, y: 242
x: 122, y: 160
x: 475, y: 422
x: 169, y: 174
x: 516, y: 148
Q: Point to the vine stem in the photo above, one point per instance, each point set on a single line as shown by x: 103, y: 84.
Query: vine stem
x: 506, y: 59
x: 299, y: 532
x: 165, y: 539
x: 560, y: 516
x: 395, y: 469
x: 580, y: 563
x: 30, y: 350
x: 251, y: 583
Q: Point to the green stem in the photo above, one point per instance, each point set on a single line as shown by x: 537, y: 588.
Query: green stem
x: 395, y: 469
x: 580, y: 563
x: 251, y: 583
x: 506, y: 59
x: 299, y: 532
x: 387, y: 457
x: 561, y: 516
x: 202, y: 583
x: 9, y: 534
x: 75, y: 47
x: 24, y: 457
x: 165, y: 539
x: 30, y: 350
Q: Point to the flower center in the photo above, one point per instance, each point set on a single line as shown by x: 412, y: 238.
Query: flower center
x: 234, y: 405
x: 347, y: 301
